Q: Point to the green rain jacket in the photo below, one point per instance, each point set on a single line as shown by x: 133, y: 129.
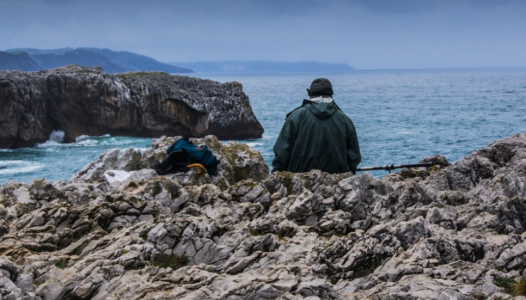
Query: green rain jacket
x: 317, y: 136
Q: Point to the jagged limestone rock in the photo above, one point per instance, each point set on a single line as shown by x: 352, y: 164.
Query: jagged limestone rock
x: 237, y: 162
x: 449, y: 232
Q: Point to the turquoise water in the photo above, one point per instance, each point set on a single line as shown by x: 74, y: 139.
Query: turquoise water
x: 401, y: 116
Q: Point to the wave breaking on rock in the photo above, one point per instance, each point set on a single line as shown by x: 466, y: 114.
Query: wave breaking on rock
x: 445, y: 232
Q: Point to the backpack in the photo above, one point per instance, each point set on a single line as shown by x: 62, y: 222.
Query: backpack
x: 175, y: 162
x: 198, y: 154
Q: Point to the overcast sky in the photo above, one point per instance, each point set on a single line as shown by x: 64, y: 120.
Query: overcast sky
x: 366, y: 34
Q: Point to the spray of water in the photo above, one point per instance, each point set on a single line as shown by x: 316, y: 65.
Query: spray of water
x: 56, y: 136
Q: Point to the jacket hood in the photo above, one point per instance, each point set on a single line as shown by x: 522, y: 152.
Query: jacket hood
x: 321, y: 110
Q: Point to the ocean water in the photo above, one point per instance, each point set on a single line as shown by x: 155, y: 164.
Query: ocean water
x: 401, y: 116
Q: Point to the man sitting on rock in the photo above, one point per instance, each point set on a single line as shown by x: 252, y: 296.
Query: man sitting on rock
x: 317, y: 135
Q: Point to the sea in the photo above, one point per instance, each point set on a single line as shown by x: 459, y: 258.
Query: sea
x: 401, y: 117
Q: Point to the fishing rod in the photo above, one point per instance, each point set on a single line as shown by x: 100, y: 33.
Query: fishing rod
x: 392, y: 167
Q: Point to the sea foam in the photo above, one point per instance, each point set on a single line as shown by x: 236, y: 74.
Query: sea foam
x: 56, y: 137
x: 18, y: 166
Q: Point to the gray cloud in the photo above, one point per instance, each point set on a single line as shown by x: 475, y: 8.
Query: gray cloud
x: 399, y: 6
x: 363, y: 33
x: 419, y: 6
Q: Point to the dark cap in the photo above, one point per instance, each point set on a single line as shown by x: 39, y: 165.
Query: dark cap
x: 320, y: 87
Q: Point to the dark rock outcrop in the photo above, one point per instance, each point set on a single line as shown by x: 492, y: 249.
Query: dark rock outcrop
x: 447, y: 232
x: 88, y: 101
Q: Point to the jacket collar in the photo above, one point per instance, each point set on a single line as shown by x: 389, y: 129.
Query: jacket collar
x: 321, y: 99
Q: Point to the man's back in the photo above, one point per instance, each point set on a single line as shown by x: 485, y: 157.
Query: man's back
x: 319, y: 136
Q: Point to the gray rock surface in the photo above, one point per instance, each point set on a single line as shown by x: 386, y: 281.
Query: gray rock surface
x: 447, y: 232
x: 87, y: 101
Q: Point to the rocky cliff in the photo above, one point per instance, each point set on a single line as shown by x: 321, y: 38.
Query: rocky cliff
x: 446, y: 232
x: 88, y: 101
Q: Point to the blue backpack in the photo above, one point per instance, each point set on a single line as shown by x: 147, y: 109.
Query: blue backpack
x: 198, y: 154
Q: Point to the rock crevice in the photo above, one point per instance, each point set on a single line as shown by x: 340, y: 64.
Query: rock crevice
x: 447, y: 232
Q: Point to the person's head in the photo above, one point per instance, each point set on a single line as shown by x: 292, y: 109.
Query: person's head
x: 320, y: 87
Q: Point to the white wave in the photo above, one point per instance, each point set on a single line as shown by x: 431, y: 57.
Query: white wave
x: 104, y: 140
x: 254, y: 144
x: 56, y: 138
x: 50, y: 144
x: 18, y: 166
x: 82, y: 138
x: 87, y: 142
x: 116, y: 141
x: 7, y: 163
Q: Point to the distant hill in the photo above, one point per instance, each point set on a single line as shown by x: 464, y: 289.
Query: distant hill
x: 263, y: 66
x: 34, y: 51
x: 110, y: 61
x: 17, y: 61
x: 79, y: 57
x: 137, y: 61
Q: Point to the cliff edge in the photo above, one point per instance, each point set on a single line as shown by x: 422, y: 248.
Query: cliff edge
x: 87, y: 101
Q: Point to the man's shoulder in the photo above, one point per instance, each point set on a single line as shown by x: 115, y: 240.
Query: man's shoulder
x: 341, y: 115
x: 298, y: 110
x: 295, y: 112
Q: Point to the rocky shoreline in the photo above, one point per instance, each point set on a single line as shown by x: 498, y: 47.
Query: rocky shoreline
x: 88, y: 101
x: 446, y: 232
